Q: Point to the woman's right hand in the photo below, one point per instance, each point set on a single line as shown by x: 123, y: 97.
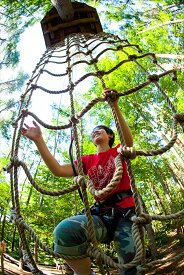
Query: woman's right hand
x: 33, y: 133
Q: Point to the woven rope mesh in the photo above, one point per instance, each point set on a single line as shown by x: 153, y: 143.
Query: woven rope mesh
x: 68, y: 73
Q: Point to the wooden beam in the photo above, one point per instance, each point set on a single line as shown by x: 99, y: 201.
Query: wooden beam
x: 80, y: 10
x: 70, y: 24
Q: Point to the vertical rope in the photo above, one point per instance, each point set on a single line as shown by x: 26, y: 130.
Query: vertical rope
x: 138, y: 209
x: 80, y: 169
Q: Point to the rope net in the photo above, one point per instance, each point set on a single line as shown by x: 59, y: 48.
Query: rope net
x: 60, y: 63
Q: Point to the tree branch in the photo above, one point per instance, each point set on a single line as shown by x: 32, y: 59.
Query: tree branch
x: 163, y: 24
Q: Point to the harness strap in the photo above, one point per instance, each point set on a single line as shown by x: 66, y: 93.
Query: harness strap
x: 115, y: 198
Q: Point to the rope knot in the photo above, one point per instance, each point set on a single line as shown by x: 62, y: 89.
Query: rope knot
x: 154, y: 58
x: 95, y: 60
x: 147, y: 218
x: 14, y: 217
x: 68, y: 70
x: 153, y: 77
x: 73, y: 119
x: 111, y: 95
x: 179, y: 117
x: 33, y: 86
x: 128, y: 152
x: 89, y: 52
x: 120, y: 47
x: 142, y: 219
x: 174, y: 78
x: 80, y: 180
x: 15, y: 124
x: 15, y: 161
x: 24, y: 112
x: 71, y: 86
x: 22, y: 97
x: 132, y: 56
x: 100, y: 73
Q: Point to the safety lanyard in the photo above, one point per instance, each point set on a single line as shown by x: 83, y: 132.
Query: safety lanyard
x: 72, y: 164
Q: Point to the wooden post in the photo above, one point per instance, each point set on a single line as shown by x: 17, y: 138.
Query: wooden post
x: 2, y: 250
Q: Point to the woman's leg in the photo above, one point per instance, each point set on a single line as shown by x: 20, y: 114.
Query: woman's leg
x: 80, y: 266
x: 124, y: 243
x: 71, y: 237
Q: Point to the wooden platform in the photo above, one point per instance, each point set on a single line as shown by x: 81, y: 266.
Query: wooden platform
x: 11, y: 269
x: 86, y: 20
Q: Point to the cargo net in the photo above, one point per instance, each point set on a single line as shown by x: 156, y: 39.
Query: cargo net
x: 87, y: 50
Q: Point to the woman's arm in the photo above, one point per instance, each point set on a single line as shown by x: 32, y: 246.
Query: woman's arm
x: 35, y: 134
x: 127, y: 134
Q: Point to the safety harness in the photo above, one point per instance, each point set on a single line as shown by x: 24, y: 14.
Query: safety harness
x: 115, y: 198
x: 110, y: 213
x: 108, y: 207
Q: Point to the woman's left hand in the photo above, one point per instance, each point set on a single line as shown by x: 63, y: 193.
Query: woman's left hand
x: 107, y: 90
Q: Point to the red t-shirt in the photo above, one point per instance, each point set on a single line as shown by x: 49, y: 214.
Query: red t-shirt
x: 100, y: 169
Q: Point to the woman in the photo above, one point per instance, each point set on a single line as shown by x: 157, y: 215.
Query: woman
x: 112, y: 215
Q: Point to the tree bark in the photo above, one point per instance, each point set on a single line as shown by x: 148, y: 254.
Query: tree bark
x: 150, y: 232
x: 13, y: 239
x: 178, y: 157
x: 174, y: 176
x: 64, y: 9
x: 2, y: 263
x: 3, y: 227
x: 158, y: 197
x: 36, y: 252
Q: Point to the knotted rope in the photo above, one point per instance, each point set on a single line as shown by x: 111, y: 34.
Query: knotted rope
x: 127, y: 153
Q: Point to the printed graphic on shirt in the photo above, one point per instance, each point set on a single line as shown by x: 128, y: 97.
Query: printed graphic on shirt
x: 101, y: 175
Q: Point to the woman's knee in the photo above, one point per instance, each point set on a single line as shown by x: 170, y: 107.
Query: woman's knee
x: 71, y: 236
x: 71, y: 231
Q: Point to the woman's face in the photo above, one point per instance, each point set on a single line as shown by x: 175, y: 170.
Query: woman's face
x: 99, y: 135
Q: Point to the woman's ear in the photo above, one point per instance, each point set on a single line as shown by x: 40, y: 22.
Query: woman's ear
x: 110, y: 136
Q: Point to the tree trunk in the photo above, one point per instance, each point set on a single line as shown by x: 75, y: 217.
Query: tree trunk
x: 174, y: 176
x: 2, y: 263
x: 13, y: 239
x: 180, y: 160
x: 3, y: 227
x: 64, y: 9
x: 150, y: 232
x: 158, y: 197
x: 9, y: 106
x: 36, y: 252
